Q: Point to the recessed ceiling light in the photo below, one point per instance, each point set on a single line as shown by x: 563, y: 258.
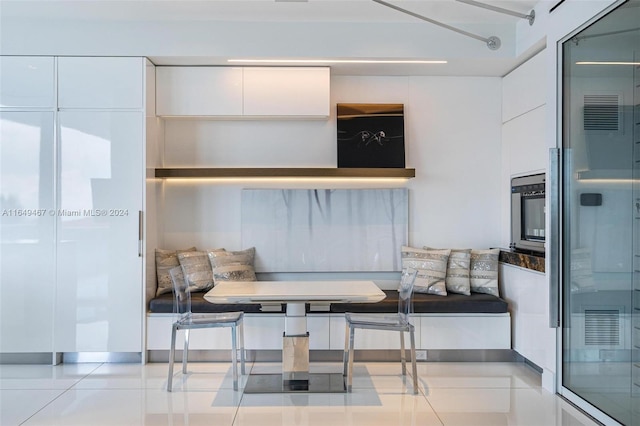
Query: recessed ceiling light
x: 606, y: 63
x: 335, y: 61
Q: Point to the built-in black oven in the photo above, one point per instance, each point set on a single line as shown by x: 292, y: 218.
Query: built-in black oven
x: 528, y: 213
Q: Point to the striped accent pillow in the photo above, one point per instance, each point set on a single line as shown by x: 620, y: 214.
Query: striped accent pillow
x: 484, y: 271
x: 458, y: 274
x: 432, y: 269
x: 233, y: 265
x: 197, y: 270
x: 165, y: 260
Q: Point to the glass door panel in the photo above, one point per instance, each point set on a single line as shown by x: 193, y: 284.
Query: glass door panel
x: 601, y: 215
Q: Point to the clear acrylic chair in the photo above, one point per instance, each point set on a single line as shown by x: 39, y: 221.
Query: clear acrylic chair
x: 189, y: 321
x: 392, y: 322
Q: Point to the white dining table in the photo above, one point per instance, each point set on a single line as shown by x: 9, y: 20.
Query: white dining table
x: 295, y: 375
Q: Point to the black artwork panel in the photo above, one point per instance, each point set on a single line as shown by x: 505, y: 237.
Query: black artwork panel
x: 371, y: 135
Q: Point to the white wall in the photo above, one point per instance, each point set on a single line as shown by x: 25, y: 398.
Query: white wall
x: 452, y: 125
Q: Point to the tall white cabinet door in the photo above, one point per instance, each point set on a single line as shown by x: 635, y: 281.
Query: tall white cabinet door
x: 100, y: 171
x: 27, y: 81
x: 282, y: 91
x: 27, y: 220
x: 103, y: 83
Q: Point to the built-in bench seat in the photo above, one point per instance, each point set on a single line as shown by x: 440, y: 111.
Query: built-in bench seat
x: 452, y: 322
x: 422, y: 303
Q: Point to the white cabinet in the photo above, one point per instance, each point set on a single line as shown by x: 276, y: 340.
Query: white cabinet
x: 465, y: 331
x: 102, y: 83
x: 199, y: 91
x: 27, y: 269
x: 72, y: 185
x: 101, y: 143
x: 286, y: 92
x: 100, y: 175
x: 243, y: 92
x: 527, y: 293
x: 27, y: 81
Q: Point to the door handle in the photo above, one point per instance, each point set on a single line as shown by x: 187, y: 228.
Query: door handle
x: 554, y: 251
x: 140, y: 231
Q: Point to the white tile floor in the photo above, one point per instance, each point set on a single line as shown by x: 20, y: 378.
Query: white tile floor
x: 472, y: 394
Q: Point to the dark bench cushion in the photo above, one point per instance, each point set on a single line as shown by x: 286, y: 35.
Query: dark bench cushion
x: 477, y: 303
x: 163, y: 304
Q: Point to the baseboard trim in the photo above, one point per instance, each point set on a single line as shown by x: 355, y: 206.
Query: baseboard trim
x: 26, y: 358
x: 473, y: 355
x: 273, y: 355
x: 109, y: 357
x: 377, y: 355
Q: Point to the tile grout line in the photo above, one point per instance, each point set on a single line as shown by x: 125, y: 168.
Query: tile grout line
x: 237, y: 412
x: 422, y: 392
x: 64, y: 391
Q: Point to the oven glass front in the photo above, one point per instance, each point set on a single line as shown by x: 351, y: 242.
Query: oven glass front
x: 533, y: 218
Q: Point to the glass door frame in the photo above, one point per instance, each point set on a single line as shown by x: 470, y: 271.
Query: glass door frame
x: 556, y: 223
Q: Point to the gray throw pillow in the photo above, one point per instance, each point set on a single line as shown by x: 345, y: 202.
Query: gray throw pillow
x: 197, y: 270
x: 431, y: 266
x: 165, y: 260
x: 484, y: 271
x: 233, y: 265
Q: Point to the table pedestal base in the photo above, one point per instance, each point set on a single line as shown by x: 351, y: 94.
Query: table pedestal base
x: 295, y: 376
x: 295, y: 358
x: 317, y: 383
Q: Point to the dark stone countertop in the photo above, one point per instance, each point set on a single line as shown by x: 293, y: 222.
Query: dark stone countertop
x: 535, y: 262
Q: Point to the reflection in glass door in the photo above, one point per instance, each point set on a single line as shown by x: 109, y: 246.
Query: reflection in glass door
x: 601, y: 215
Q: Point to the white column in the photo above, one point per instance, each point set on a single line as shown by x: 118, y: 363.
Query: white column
x: 295, y: 323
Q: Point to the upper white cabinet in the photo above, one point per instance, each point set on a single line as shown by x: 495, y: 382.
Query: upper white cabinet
x: 286, y: 92
x: 198, y: 91
x: 242, y: 92
x: 27, y: 82
x: 100, y: 83
x: 521, y: 88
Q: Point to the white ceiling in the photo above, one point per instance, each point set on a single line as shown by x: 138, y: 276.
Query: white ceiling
x: 449, y: 11
x: 382, y: 23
